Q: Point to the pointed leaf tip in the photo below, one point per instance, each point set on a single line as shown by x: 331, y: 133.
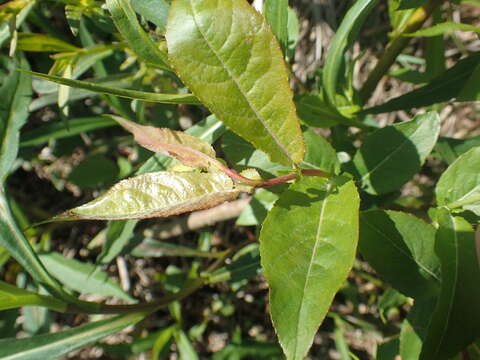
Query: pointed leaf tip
x: 307, y: 247
x: 186, y: 148
x: 159, y: 194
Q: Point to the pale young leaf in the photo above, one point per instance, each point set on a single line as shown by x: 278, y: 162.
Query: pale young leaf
x: 186, y: 148
x: 158, y: 194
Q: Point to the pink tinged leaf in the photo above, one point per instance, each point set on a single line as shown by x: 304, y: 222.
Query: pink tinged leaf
x: 186, y: 148
x: 159, y: 194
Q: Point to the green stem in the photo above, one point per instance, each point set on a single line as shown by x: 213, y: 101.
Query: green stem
x: 395, y: 47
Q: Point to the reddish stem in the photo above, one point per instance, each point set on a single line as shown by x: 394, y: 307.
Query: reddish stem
x: 271, y: 182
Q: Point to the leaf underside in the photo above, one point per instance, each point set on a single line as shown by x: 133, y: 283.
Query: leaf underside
x: 226, y: 54
x: 158, y: 194
x: 186, y: 148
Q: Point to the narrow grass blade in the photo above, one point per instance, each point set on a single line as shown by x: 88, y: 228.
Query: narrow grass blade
x: 131, y: 94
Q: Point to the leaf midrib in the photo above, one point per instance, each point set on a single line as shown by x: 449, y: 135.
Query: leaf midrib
x: 309, y: 270
x: 390, y: 155
x: 119, y: 323
x: 452, y: 295
x: 388, y: 239
x: 235, y: 81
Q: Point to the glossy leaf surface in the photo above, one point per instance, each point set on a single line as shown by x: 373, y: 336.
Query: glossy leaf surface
x: 54, y: 345
x: 126, y: 22
x: 456, y: 320
x: 400, y: 247
x: 13, y: 297
x: 344, y: 37
x: 159, y: 194
x: 186, y: 148
x: 459, y: 185
x: 226, y: 54
x: 307, y: 246
x: 15, y: 92
x: 392, y: 155
x: 126, y: 93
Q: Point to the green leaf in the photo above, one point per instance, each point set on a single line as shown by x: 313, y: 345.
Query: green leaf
x: 74, y: 16
x: 118, y: 236
x: 344, y: 37
x: 398, y: 17
x: 276, y: 13
x: 126, y: 22
x: 314, y: 112
x: 82, y: 277
x: 388, y: 350
x: 159, y: 194
x: 400, y: 247
x: 13, y: 13
x: 449, y: 149
x: 446, y: 86
x: 459, y: 185
x: 409, y: 4
x: 15, y: 92
x: 414, y: 328
x: 126, y: 93
x: 94, y: 171
x: 226, y: 54
x: 186, y: 148
x: 456, y: 319
x: 442, y: 28
x: 155, y: 11
x: 154, y: 248
x: 471, y: 90
x: 48, y: 98
x: 435, y: 51
x: 137, y: 346
x: 249, y: 350
x: 12, y: 239
x: 243, y: 155
x: 392, y: 155
x: 54, y: 345
x: 13, y: 297
x: 245, y: 265
x: 43, y: 43
x: 258, y: 208
x: 307, y: 246
x: 184, y: 345
x: 320, y: 154
x: 57, y: 130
